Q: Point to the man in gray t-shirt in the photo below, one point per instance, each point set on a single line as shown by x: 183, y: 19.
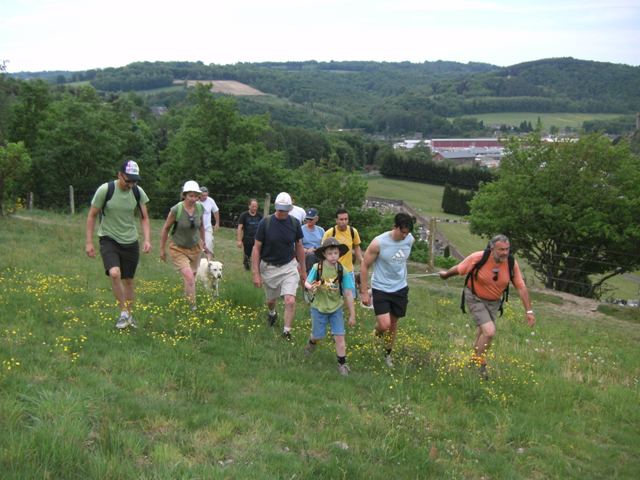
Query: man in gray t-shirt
x: 388, y: 253
x: 117, y: 202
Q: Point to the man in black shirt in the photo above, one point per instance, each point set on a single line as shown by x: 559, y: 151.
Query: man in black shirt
x: 246, y: 233
x: 277, y: 260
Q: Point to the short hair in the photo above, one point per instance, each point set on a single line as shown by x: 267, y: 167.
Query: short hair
x: 340, y: 211
x: 498, y: 238
x: 403, y: 220
x: 252, y: 200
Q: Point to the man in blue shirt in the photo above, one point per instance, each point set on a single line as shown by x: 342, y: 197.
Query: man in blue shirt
x: 277, y: 260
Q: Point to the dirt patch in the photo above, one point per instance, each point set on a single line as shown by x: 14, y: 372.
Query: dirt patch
x: 228, y: 87
x: 574, y: 305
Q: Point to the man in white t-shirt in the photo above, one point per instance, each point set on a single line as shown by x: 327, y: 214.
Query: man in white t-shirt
x: 210, y: 207
x: 299, y: 213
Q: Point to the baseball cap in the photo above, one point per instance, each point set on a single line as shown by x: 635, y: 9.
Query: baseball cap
x: 131, y: 170
x: 283, y: 202
x: 311, y: 213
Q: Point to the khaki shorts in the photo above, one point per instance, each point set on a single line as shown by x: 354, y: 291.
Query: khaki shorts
x: 183, y: 257
x: 482, y: 311
x: 280, y: 280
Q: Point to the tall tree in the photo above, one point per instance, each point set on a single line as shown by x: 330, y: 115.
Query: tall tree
x: 570, y: 208
x: 14, y: 163
x: 80, y: 143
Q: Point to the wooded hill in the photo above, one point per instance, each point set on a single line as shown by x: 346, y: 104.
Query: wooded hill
x: 388, y: 98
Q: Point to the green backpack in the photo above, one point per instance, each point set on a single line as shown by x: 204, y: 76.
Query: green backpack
x: 199, y: 212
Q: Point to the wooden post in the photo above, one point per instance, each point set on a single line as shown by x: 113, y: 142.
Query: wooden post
x: 432, y: 241
x: 72, y: 206
x: 267, y: 204
x: 30, y: 201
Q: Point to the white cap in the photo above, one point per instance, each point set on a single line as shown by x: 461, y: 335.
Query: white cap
x: 191, y: 186
x: 283, y: 202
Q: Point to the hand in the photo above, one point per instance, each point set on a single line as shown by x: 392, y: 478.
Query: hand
x: 257, y: 280
x: 531, y: 319
x: 90, y: 250
x: 315, y: 285
x: 163, y: 255
x: 443, y: 274
x: 352, y: 321
x: 365, y: 298
x: 239, y: 244
x: 146, y: 247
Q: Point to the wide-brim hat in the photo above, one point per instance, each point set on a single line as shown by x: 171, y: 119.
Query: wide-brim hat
x: 331, y: 242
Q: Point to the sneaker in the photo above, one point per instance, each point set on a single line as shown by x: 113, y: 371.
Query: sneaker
x: 482, y: 370
x: 343, y: 369
x: 123, y: 322
x: 309, y: 348
x: 132, y: 322
x: 388, y: 360
x: 286, y: 336
x: 271, y: 318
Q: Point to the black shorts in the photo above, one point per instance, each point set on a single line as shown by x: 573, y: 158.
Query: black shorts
x: 248, y: 247
x: 125, y: 257
x: 390, y: 302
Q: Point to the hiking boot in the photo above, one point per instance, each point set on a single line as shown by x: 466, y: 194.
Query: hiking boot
x: 482, y: 370
x: 286, y: 336
x: 344, y: 370
x: 388, y: 360
x: 271, y: 318
x: 132, y: 322
x: 123, y: 321
x: 309, y: 348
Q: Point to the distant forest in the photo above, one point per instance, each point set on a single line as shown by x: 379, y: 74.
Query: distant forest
x: 389, y: 99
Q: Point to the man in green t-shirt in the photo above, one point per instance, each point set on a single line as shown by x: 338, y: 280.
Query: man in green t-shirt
x: 118, y: 235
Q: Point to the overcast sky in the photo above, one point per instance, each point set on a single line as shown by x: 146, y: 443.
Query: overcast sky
x: 83, y: 34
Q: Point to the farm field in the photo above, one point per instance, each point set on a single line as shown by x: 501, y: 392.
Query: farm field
x: 218, y: 394
x: 560, y: 120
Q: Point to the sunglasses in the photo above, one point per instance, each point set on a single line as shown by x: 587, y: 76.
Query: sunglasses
x: 495, y: 274
x: 128, y: 181
x: 192, y: 220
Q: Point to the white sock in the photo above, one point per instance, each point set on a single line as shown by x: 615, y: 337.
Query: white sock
x: 287, y: 329
x: 272, y: 312
x: 124, y: 314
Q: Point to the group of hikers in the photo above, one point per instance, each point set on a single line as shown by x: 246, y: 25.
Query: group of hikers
x: 288, y: 249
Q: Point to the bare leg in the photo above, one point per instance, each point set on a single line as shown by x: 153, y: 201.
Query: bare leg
x: 289, y: 310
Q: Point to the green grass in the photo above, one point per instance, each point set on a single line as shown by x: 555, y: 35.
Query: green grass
x: 220, y: 395
x: 560, y: 120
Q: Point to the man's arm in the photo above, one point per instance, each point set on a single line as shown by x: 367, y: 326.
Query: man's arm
x: 91, y: 223
x: 146, y: 228
x: 301, y: 262
x: 216, y: 215
x: 255, y: 263
x: 452, y: 272
x: 358, y: 253
x: 369, y: 258
x: 239, y: 235
x: 526, y: 302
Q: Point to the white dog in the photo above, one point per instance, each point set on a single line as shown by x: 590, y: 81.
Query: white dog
x: 209, y: 273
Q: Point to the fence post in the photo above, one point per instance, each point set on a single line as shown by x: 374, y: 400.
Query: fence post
x: 267, y: 204
x: 432, y: 240
x: 30, y: 201
x: 72, y: 206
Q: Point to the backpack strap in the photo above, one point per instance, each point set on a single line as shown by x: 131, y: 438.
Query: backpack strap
x: 178, y: 215
x: 111, y: 187
x: 339, y: 268
x: 333, y: 232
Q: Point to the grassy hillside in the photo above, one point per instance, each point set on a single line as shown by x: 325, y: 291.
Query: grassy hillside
x: 217, y: 394
x: 560, y: 120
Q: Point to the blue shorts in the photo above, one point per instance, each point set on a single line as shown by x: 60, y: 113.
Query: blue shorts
x: 320, y: 320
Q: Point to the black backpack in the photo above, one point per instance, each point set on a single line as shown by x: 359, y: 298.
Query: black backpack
x: 473, y: 274
x: 111, y: 187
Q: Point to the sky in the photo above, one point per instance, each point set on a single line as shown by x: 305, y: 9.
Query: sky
x: 39, y: 35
